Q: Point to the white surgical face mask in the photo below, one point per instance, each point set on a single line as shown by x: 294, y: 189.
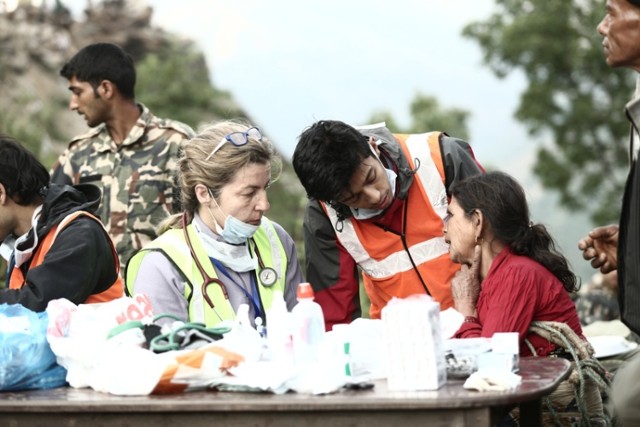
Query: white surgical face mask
x: 234, y: 231
x: 236, y: 257
x: 24, y: 255
x: 370, y: 213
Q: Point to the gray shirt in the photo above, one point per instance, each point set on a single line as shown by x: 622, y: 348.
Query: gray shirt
x: 162, y: 282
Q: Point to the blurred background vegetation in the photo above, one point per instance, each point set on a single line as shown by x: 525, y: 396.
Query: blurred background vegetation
x: 572, y: 105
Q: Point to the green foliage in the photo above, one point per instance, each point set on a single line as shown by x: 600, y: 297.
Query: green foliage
x: 32, y: 121
x: 287, y: 200
x: 174, y: 83
x: 573, y: 101
x: 428, y: 115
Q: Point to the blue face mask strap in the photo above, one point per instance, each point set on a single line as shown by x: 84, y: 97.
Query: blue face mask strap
x: 254, y: 287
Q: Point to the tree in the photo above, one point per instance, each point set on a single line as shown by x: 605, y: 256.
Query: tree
x: 427, y: 114
x: 174, y: 82
x: 573, y: 102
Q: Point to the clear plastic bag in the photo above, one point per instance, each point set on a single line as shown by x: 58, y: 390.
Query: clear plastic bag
x: 26, y: 359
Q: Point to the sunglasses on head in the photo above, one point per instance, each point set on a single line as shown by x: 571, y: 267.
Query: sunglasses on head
x: 238, y: 139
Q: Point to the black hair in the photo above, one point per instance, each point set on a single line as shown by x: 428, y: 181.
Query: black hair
x: 25, y: 179
x: 503, y: 204
x: 326, y: 157
x: 103, y: 61
x: 634, y: 2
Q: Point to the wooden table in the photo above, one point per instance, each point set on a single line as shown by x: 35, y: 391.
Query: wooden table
x: 449, y: 406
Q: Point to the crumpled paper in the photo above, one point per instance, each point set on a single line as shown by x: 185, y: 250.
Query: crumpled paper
x: 492, y: 380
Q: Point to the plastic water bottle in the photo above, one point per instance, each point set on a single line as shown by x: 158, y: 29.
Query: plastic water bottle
x: 308, y: 324
x: 279, y: 330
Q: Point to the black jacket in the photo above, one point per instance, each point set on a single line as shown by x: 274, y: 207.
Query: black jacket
x: 79, y: 263
x: 629, y: 234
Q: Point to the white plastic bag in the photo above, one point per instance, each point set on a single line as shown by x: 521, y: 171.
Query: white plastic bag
x: 79, y: 336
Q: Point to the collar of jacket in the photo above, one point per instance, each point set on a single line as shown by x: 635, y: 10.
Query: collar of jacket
x: 103, y: 141
x: 60, y: 201
x: 632, y: 109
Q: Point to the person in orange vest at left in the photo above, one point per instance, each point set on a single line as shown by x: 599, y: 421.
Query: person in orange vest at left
x: 55, y: 246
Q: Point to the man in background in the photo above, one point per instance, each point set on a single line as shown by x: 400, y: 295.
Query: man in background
x: 617, y: 247
x: 129, y: 153
x: 55, y: 247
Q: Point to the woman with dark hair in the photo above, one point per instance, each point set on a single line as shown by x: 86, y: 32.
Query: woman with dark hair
x: 512, y: 274
x: 514, y: 280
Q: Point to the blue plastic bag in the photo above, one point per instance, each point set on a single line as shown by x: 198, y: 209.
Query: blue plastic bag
x: 26, y: 359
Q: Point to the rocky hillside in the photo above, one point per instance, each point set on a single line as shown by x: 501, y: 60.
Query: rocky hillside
x: 36, y: 41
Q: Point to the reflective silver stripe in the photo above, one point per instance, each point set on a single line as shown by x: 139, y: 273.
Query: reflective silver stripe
x: 196, y: 306
x: 372, y: 126
x: 277, y: 250
x: 428, y: 172
x: 197, y: 301
x: 422, y: 252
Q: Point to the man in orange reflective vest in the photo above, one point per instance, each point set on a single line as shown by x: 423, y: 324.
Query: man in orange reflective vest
x: 377, y: 201
x: 56, y: 248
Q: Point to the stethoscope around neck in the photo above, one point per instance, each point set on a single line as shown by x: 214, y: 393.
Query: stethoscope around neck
x: 267, y: 275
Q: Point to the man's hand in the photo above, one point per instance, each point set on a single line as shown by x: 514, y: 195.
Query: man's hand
x: 465, y: 285
x: 601, y: 248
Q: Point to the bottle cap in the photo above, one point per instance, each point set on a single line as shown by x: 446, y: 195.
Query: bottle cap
x: 304, y: 290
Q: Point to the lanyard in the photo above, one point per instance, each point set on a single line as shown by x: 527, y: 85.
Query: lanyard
x: 403, y: 239
x: 267, y: 275
x: 253, y: 296
x: 12, y: 264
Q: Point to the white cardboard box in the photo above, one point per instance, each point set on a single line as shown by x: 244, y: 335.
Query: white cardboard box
x: 415, y: 349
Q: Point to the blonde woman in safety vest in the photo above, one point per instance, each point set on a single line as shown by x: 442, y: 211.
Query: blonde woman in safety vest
x: 54, y: 245
x: 377, y: 201
x: 222, y: 251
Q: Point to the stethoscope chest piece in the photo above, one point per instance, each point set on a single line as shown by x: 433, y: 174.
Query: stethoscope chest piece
x: 267, y: 276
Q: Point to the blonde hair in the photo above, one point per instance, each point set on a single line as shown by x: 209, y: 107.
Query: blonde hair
x: 217, y: 171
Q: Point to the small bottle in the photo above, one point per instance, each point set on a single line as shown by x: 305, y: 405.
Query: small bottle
x: 308, y: 326
x: 279, y: 330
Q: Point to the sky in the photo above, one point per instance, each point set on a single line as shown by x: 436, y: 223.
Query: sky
x: 290, y: 63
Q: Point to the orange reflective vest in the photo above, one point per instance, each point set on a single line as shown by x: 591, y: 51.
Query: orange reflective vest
x: 116, y: 290
x: 387, y: 268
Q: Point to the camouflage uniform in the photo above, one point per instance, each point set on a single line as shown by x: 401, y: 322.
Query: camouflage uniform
x: 137, y: 177
x: 597, y: 305
x: 596, y: 302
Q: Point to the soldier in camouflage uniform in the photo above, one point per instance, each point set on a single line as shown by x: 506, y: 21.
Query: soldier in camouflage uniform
x: 598, y: 299
x: 129, y: 153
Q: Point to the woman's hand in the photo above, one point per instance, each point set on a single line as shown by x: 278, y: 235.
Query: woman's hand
x: 465, y: 285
